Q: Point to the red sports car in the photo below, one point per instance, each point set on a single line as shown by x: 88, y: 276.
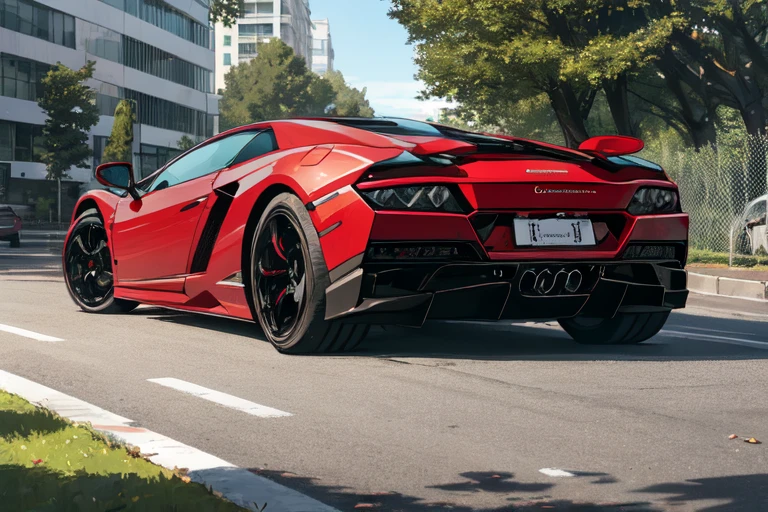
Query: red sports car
x: 320, y: 228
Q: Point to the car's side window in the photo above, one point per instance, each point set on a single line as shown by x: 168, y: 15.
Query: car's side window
x: 262, y: 144
x: 756, y: 211
x: 210, y: 158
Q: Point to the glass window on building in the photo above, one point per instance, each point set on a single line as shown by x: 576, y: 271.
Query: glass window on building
x: 21, y: 78
x: 265, y: 7
x: 319, y: 47
x: 152, y: 60
x: 6, y: 140
x: 20, y: 142
x: 227, y: 59
x: 162, y: 15
x: 227, y: 40
x: 39, y: 21
x: 256, y: 29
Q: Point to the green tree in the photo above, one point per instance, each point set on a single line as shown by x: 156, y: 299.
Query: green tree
x: 274, y: 85
x: 349, y: 101
x: 120, y: 145
x: 185, y: 143
x: 226, y: 11
x: 72, y: 112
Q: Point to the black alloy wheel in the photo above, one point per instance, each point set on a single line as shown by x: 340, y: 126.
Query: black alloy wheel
x: 287, y: 277
x: 88, y: 267
x: 280, y: 276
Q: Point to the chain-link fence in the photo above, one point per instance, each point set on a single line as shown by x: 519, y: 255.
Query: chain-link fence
x: 724, y: 191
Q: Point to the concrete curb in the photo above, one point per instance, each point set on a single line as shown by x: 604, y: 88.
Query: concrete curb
x: 727, y: 286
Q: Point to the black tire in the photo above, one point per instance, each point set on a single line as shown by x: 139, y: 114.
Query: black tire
x: 304, y: 329
x: 103, y: 301
x: 15, y: 241
x: 622, y: 329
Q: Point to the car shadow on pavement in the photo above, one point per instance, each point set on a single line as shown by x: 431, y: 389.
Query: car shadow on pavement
x: 506, y: 341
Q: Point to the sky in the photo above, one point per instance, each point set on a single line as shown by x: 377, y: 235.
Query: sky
x: 371, y: 51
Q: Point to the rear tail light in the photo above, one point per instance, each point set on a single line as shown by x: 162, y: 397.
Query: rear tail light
x: 420, y: 198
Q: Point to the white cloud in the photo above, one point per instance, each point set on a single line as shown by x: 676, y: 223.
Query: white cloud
x: 398, y: 99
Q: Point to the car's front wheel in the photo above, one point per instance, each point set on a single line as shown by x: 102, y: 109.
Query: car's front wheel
x: 287, y: 282
x: 622, y: 329
x: 88, y: 267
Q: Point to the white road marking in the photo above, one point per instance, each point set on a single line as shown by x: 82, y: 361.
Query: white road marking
x: 220, y: 398
x: 236, y: 484
x: 28, y: 334
x: 716, y: 339
x: 554, y: 472
x: 717, y: 330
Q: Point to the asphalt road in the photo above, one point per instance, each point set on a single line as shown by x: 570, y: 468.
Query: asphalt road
x: 454, y: 416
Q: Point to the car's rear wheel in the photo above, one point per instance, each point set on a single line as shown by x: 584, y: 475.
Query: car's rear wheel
x: 15, y: 241
x: 622, y: 329
x: 288, y: 279
x: 88, y: 267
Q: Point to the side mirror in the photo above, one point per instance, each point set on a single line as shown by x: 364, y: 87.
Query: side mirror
x: 612, y: 145
x: 118, y: 175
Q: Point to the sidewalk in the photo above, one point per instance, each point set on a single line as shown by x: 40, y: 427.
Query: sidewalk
x: 730, y: 282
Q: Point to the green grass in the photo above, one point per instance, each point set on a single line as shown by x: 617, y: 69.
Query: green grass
x: 753, y: 262
x: 50, y: 464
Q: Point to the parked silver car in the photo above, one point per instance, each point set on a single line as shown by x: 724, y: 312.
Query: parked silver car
x: 752, y: 232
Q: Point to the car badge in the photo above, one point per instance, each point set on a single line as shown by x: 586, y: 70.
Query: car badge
x: 546, y: 171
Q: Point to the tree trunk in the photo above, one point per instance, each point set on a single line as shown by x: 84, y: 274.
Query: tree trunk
x: 569, y: 113
x: 618, y: 102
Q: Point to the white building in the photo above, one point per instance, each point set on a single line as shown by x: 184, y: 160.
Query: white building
x: 263, y: 20
x: 322, y: 47
x: 154, y: 52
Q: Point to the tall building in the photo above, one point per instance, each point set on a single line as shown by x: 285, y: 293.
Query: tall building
x: 322, y: 47
x: 263, y: 20
x: 156, y: 53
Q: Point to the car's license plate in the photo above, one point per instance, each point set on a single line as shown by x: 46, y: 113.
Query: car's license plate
x: 534, y: 232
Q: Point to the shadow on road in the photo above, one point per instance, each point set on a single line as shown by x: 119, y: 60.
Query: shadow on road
x: 502, y: 342
x: 722, y: 494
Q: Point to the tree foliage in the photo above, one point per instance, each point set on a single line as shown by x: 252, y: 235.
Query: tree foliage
x: 348, y: 101
x: 185, y: 143
x: 226, y: 11
x: 71, y: 109
x: 120, y: 145
x: 277, y: 84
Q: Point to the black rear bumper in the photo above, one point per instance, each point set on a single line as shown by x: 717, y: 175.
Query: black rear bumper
x: 411, y: 293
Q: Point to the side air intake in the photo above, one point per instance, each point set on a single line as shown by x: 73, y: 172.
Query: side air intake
x: 219, y: 210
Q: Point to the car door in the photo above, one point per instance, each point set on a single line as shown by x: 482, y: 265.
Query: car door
x: 152, y: 236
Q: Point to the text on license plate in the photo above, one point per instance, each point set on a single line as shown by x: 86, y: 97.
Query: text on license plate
x: 533, y: 232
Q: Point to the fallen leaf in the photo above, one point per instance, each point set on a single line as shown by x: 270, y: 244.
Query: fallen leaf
x: 495, y: 476
x: 366, y: 505
x: 218, y: 494
x: 186, y: 479
x: 36, y: 462
x: 135, y: 499
x: 23, y: 447
x: 733, y: 436
x: 752, y: 440
x: 288, y: 475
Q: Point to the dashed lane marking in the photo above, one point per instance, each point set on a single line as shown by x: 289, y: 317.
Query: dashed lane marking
x: 220, y: 398
x: 236, y: 484
x: 28, y: 334
x: 554, y: 472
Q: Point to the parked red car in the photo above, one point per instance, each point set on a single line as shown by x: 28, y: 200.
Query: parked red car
x: 319, y: 228
x: 10, y: 226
